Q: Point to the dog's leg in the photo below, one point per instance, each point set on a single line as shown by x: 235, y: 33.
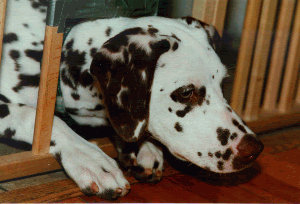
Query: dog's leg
x: 145, y: 161
x: 92, y: 170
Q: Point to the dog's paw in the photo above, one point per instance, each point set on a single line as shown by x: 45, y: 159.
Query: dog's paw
x: 149, y: 163
x: 94, y: 172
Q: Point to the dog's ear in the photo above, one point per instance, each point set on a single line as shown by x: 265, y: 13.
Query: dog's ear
x: 124, y: 67
x: 213, y: 36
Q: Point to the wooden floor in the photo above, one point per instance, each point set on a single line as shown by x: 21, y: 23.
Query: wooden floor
x: 274, y: 178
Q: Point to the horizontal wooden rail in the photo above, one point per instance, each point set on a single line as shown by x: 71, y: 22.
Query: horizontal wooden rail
x: 25, y: 163
x: 269, y: 122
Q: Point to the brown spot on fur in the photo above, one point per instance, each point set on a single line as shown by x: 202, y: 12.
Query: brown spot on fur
x: 178, y: 127
x: 227, y: 154
x: 218, y: 154
x: 220, y: 165
x: 223, y: 135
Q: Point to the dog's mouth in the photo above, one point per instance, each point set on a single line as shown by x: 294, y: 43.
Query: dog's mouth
x: 180, y: 157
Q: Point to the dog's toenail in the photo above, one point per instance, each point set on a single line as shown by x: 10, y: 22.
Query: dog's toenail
x: 119, y: 190
x: 94, y: 187
x: 148, y: 171
x: 127, y: 186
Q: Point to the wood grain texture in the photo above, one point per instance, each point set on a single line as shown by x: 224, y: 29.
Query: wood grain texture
x: 278, y: 54
x: 297, y: 97
x: 292, y: 68
x: 219, y: 15
x: 245, y: 55
x: 47, y: 91
x: 260, y: 59
x: 24, y: 164
x: 211, y: 11
x: 268, y: 122
x: 2, y: 23
x: 273, y: 179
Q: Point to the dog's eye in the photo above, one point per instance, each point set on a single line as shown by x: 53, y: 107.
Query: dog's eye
x: 187, y: 91
x: 183, y: 94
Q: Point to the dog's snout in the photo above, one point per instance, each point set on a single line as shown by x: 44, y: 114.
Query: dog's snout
x: 248, y: 150
x: 249, y: 147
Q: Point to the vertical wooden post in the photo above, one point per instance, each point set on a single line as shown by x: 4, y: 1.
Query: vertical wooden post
x: 297, y: 98
x: 278, y: 54
x: 260, y: 59
x: 245, y: 55
x: 211, y: 11
x: 292, y: 68
x: 47, y: 90
x: 2, y: 23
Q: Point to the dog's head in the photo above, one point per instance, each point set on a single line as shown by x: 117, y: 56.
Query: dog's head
x: 167, y: 80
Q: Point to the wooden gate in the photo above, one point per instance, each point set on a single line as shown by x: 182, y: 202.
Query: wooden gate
x: 266, y: 89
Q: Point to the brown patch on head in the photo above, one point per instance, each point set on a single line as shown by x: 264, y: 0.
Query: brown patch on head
x: 152, y: 31
x: 202, y: 94
x: 233, y: 136
x: 223, y: 135
x: 220, y: 165
x: 108, y: 31
x: 182, y: 113
x: 175, y: 46
x: 131, y: 116
x: 227, y: 154
x: 178, y: 127
x: 239, y: 126
x: 218, y: 154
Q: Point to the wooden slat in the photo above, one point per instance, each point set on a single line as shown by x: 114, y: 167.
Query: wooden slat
x: 208, y: 11
x: 211, y: 11
x: 47, y: 90
x: 245, y: 55
x: 24, y: 164
x: 297, y: 99
x: 260, y: 59
x: 2, y: 22
x: 49, y: 192
x: 269, y: 122
x: 219, y: 15
x: 292, y: 67
x: 278, y: 54
x: 198, y: 6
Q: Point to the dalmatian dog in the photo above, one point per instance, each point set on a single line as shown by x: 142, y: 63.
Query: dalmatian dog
x: 153, y: 78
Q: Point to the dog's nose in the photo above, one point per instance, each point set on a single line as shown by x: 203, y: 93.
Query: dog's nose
x: 248, y: 150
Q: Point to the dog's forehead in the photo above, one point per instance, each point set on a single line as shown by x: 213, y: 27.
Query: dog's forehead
x: 184, y: 66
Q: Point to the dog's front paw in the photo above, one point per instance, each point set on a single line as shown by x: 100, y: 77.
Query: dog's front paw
x: 93, y: 171
x: 149, y: 163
